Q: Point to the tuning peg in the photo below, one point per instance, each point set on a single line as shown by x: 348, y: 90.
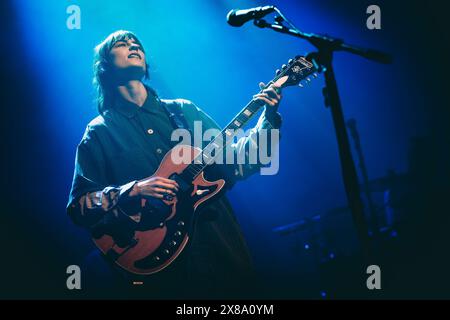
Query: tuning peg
x: 308, y: 79
x: 277, y: 72
x: 290, y: 61
x: 283, y: 66
x: 315, y: 75
x: 301, y: 85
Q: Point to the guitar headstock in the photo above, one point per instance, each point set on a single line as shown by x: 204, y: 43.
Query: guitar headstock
x: 296, y: 72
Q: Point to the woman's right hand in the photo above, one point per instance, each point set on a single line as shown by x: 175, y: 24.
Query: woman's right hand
x: 156, y: 187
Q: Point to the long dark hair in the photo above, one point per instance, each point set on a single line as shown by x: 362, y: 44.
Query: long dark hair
x: 102, y: 68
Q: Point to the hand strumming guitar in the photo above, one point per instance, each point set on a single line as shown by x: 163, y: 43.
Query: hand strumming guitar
x: 156, y: 187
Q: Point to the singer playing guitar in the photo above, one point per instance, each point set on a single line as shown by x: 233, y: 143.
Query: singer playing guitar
x: 119, y: 197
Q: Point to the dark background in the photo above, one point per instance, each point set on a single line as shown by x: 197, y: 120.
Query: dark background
x: 39, y: 241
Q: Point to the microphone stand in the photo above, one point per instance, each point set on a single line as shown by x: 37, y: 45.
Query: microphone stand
x: 323, y: 58
x: 351, y: 124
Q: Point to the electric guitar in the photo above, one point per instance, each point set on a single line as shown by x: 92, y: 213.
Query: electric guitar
x: 149, y: 248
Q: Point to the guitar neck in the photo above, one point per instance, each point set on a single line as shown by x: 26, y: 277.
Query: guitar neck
x: 291, y: 74
x: 225, y: 137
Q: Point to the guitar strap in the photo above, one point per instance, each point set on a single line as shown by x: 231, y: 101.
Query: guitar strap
x: 174, y: 109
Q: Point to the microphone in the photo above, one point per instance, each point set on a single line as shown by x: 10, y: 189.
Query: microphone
x: 237, y: 18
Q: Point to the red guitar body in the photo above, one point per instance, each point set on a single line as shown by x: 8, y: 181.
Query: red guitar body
x: 152, y: 250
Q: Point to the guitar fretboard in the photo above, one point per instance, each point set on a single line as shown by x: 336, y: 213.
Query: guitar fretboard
x: 205, y: 157
x: 295, y: 71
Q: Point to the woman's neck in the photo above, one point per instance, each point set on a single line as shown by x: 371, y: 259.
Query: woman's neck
x: 133, y: 91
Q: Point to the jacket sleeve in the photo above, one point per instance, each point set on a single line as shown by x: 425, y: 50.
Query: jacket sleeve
x: 92, y: 200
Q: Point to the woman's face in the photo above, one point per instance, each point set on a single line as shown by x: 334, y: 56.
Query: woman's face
x: 128, y: 58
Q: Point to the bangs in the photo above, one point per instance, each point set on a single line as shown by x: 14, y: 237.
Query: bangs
x: 106, y: 46
x: 123, y: 35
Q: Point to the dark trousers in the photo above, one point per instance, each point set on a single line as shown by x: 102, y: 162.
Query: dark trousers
x: 184, y: 279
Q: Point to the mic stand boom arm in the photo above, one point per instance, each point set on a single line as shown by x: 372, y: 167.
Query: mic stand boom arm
x: 326, y: 42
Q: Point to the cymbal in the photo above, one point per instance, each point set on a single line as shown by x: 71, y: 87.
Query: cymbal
x: 306, y: 223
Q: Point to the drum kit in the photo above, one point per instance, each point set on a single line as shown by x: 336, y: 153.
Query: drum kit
x: 326, y: 245
x: 331, y: 234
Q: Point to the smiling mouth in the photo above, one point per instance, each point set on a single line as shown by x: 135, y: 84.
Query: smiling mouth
x: 135, y: 55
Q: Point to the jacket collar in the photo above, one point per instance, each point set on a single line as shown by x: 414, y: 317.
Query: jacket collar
x: 130, y: 109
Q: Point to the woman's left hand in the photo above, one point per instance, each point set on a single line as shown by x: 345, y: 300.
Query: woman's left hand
x: 270, y: 96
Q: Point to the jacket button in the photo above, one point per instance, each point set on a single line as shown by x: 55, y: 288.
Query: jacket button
x: 158, y: 151
x: 150, y: 131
